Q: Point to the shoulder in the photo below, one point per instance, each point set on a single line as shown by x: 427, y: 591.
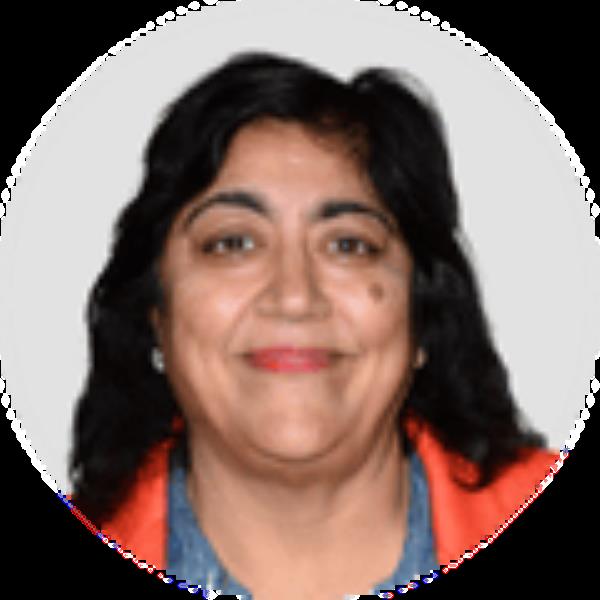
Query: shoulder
x: 531, y: 466
x: 461, y: 517
x: 140, y: 522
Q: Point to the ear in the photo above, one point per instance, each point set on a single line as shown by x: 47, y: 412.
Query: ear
x: 156, y: 324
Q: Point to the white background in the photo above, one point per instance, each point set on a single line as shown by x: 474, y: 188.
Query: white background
x: 523, y: 209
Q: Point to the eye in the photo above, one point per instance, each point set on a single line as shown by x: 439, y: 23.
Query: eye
x: 356, y: 246
x: 236, y: 243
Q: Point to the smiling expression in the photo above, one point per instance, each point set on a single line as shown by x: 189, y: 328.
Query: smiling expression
x: 288, y: 246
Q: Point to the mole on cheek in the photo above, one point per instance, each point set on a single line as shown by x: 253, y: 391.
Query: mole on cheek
x: 376, y: 291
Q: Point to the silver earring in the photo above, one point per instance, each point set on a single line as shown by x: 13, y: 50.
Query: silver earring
x: 158, y: 361
x: 421, y: 358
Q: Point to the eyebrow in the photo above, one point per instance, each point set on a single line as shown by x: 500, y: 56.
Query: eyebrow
x: 329, y: 209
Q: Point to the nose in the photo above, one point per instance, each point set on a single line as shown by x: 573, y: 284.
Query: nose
x: 293, y: 291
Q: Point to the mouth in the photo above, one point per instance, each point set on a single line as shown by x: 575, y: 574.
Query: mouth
x: 293, y: 360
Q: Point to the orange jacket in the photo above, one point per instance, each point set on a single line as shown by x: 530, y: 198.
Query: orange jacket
x: 460, y: 518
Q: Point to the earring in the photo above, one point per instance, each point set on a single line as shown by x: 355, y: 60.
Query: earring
x: 421, y: 358
x: 157, y: 359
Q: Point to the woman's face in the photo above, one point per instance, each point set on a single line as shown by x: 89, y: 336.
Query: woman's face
x: 287, y: 247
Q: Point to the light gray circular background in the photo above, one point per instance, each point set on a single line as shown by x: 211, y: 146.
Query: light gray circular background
x: 523, y: 208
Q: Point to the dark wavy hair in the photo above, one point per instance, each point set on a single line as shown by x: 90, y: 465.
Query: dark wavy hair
x: 462, y: 392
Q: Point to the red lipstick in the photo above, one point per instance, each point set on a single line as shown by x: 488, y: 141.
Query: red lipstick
x: 289, y: 359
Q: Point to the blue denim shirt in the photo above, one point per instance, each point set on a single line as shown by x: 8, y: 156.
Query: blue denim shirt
x: 191, y: 558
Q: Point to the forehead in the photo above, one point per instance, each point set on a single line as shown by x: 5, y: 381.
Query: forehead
x: 275, y: 168
x: 288, y: 154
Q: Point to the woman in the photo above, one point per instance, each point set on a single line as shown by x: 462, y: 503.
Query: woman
x: 293, y: 385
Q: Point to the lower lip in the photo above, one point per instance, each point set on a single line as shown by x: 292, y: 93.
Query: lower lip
x: 292, y: 363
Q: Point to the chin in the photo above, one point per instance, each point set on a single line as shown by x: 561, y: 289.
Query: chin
x: 294, y: 444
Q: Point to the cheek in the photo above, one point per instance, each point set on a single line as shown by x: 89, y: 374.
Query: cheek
x: 201, y: 313
x: 383, y: 313
x: 377, y: 292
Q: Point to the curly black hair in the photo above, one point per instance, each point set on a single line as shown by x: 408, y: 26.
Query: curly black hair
x: 462, y: 392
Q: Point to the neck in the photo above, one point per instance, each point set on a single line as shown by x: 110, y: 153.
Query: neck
x: 315, y: 520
